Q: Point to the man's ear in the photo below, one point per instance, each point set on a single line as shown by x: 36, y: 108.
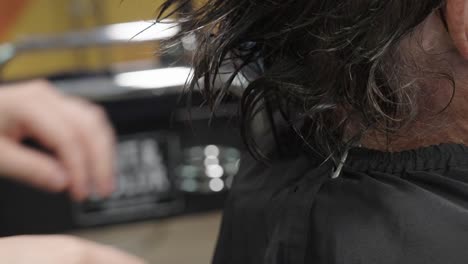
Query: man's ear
x: 457, y: 21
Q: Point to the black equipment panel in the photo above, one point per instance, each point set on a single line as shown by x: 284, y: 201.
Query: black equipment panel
x: 153, y: 131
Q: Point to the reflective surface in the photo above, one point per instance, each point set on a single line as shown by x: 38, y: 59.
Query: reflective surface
x: 208, y: 169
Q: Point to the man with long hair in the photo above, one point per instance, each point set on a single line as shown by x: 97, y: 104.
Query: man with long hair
x: 367, y: 113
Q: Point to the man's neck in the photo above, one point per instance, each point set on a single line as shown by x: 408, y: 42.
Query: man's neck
x: 441, y: 119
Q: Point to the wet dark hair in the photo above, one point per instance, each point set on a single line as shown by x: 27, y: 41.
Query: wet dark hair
x: 323, y: 68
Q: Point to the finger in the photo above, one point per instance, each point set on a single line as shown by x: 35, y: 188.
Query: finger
x: 31, y: 167
x: 457, y: 23
x: 98, y: 140
x: 45, y: 124
x: 105, y: 254
x: 74, y: 156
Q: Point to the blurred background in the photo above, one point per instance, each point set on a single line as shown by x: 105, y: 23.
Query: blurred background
x: 175, y: 166
x: 29, y: 19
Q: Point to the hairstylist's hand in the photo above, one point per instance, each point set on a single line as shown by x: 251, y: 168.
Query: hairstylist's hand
x: 75, y: 131
x: 59, y: 250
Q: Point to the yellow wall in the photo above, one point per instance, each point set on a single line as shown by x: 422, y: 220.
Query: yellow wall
x: 55, y: 16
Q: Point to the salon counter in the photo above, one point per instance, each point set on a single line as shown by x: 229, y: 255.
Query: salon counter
x: 178, y: 240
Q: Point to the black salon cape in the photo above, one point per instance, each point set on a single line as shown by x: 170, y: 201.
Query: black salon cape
x: 406, y: 208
